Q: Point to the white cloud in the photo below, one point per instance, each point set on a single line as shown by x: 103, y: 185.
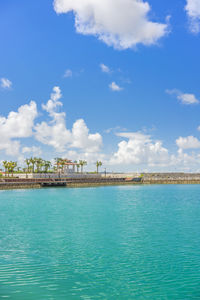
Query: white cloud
x: 35, y: 151
x: 17, y: 125
x: 5, y: 83
x: 189, y: 142
x: 193, y: 11
x: 55, y: 133
x: 139, y: 149
x: 82, y: 139
x: 105, y: 68
x: 185, y: 162
x: 188, y: 99
x: 184, y: 98
x: 114, y: 129
x: 90, y: 157
x: 53, y: 104
x: 68, y: 73
x: 119, y: 23
x: 114, y: 87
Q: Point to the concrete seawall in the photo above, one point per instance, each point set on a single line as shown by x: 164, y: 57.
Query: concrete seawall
x: 12, y: 186
x: 171, y: 181
x: 17, y: 183
x: 150, y: 178
x: 171, y: 178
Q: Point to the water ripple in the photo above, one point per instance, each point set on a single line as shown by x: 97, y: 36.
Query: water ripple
x: 100, y: 243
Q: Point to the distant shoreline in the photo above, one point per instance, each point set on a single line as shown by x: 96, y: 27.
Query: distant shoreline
x: 85, y: 180
x: 35, y: 185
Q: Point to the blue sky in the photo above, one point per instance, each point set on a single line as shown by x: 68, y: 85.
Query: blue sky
x: 142, y: 114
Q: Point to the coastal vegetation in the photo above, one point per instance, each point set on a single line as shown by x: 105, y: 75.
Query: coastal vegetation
x: 40, y: 165
x: 82, y: 163
x: 98, y: 164
x: 9, y: 166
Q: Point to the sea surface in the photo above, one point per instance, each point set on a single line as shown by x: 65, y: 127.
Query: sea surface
x: 122, y: 242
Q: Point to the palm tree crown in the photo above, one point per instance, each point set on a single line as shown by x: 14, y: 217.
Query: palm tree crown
x: 98, y: 164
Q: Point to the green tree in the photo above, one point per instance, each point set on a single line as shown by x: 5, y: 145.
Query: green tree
x: 82, y: 163
x: 5, y: 164
x: 62, y: 163
x: 58, y: 161
x: 33, y: 162
x: 39, y: 164
x: 47, y: 165
x: 98, y: 164
x: 77, y: 166
x: 28, y: 162
x: 11, y: 166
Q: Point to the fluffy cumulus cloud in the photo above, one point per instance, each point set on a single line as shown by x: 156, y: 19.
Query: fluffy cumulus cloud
x: 193, y: 11
x: 82, y: 139
x: 55, y: 133
x: 189, y: 142
x: 17, y: 125
x: 184, y: 98
x: 5, y: 83
x: 119, y: 23
x: 139, y: 149
x: 21, y: 124
x: 135, y: 148
x: 115, y: 87
x: 53, y: 103
x: 186, y: 162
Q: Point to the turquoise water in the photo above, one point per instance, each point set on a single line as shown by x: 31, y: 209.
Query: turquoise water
x: 125, y: 242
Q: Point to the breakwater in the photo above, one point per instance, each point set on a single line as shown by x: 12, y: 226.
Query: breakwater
x: 13, y: 183
x: 171, y: 178
x: 146, y: 178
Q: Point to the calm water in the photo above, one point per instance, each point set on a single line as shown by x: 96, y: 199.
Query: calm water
x: 139, y: 242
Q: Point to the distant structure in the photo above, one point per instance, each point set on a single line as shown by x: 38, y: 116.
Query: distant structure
x: 67, y: 166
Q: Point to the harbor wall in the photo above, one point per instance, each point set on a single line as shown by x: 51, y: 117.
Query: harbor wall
x: 171, y: 178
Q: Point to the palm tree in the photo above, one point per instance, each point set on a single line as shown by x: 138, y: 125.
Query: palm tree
x: 77, y: 165
x: 62, y: 163
x: 82, y: 163
x: 47, y: 165
x: 10, y: 166
x: 58, y: 160
x: 98, y: 164
x: 13, y: 165
x: 39, y: 164
x: 5, y: 164
x: 28, y: 162
x: 33, y: 162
